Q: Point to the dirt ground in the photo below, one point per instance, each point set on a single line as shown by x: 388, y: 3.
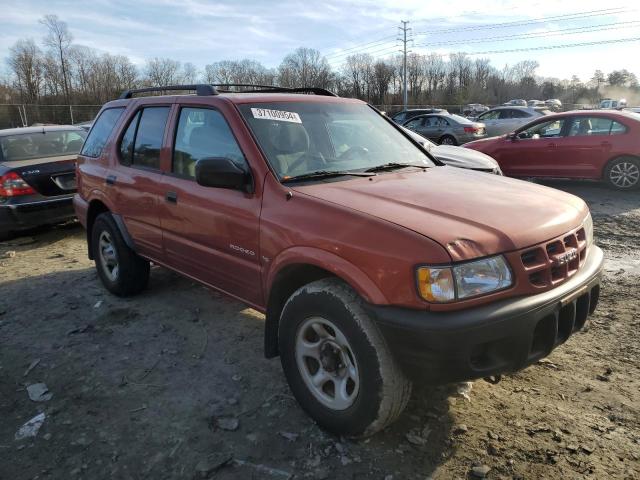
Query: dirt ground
x: 173, y: 383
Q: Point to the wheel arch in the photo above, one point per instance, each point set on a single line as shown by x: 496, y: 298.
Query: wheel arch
x: 97, y: 207
x: 294, y: 269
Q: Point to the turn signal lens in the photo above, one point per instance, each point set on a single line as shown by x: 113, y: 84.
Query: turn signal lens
x: 436, y: 284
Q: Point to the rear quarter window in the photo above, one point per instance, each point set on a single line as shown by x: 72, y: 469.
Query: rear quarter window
x: 101, y: 132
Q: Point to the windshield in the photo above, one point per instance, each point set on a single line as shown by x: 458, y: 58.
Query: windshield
x: 27, y: 146
x: 299, y: 138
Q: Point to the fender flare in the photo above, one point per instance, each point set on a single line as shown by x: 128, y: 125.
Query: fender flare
x: 331, y: 262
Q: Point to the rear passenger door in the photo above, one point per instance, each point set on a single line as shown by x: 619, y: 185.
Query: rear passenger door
x: 211, y: 234
x: 136, y: 181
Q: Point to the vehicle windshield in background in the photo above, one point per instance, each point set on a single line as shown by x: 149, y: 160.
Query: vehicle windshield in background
x: 26, y: 146
x: 302, y: 138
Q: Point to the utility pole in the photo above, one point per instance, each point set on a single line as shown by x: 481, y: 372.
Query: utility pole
x: 404, y: 41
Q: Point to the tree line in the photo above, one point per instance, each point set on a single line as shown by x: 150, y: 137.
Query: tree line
x: 58, y: 71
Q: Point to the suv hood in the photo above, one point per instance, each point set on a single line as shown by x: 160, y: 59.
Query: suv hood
x: 470, y: 214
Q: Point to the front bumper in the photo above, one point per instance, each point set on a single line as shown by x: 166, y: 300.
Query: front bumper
x: 26, y: 214
x: 502, y: 337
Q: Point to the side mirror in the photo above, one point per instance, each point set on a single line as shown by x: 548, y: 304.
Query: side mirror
x: 221, y: 172
x: 512, y: 136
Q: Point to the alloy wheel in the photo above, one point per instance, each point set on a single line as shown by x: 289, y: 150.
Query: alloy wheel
x: 624, y: 174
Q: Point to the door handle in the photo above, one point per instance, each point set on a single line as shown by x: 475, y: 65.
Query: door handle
x: 605, y: 144
x: 111, y: 180
x: 171, y: 197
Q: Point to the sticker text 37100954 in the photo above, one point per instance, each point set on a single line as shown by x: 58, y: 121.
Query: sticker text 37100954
x: 268, y: 114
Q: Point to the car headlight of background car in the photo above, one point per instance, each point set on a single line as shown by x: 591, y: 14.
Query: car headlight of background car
x: 466, y: 280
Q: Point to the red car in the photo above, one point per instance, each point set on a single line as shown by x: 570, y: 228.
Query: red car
x: 590, y: 144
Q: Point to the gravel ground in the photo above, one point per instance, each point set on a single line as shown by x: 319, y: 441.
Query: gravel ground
x: 173, y: 383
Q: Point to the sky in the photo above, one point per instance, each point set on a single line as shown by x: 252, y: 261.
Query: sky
x: 203, y: 32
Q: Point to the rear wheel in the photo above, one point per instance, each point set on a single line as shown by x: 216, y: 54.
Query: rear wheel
x: 121, y: 270
x: 337, y: 363
x: 623, y: 173
x: 447, y: 140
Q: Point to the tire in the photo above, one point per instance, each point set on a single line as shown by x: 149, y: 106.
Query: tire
x: 447, y: 140
x: 121, y: 270
x: 4, y: 236
x: 623, y: 173
x: 345, y: 348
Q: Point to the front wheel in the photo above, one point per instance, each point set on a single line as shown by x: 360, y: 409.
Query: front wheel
x: 121, y: 270
x: 623, y: 173
x: 337, y: 363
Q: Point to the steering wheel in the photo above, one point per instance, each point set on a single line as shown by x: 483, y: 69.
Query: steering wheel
x: 351, y: 151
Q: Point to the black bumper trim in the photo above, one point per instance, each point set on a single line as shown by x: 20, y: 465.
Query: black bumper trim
x: 15, y: 217
x: 501, y: 337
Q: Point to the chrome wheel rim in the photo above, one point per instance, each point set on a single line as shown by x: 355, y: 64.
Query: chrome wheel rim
x: 447, y: 141
x: 327, y: 364
x: 108, y: 256
x: 624, y: 174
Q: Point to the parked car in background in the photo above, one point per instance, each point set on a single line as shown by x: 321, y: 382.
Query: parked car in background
x: 501, y: 120
x: 596, y: 145
x: 536, y: 104
x: 37, y: 176
x: 457, y: 156
x: 516, y: 102
x: 447, y: 129
x: 614, y: 104
x: 375, y: 265
x: 474, y: 109
x: 553, y: 104
x: 405, y: 115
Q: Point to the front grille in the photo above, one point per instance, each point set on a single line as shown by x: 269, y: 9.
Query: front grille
x: 553, y: 262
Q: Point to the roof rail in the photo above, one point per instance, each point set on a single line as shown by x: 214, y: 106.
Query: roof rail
x: 201, y: 90
x: 273, y: 89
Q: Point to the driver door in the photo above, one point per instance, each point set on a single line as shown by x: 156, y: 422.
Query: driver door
x: 534, y: 152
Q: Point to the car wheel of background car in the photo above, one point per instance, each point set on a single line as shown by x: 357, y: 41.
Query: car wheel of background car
x: 623, y: 173
x: 447, y: 140
x: 121, y: 270
x: 336, y: 362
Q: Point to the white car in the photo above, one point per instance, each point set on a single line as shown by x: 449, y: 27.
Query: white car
x: 501, y: 120
x: 458, y: 156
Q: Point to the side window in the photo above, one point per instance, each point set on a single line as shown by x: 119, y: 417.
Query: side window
x: 441, y: 122
x: 101, y: 131
x: 400, y: 117
x: 126, y: 144
x: 415, y: 123
x: 203, y: 133
x: 142, y: 141
x: 494, y: 115
x: 518, y: 114
x: 617, y: 128
x: 583, y: 126
x: 548, y: 129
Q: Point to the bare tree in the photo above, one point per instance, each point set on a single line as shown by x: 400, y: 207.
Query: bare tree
x: 163, y: 71
x: 305, y: 67
x: 59, y: 39
x: 26, y: 63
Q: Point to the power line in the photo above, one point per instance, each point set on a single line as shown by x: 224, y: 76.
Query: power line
x: 524, y: 36
x: 389, y: 46
x: 554, y: 47
x: 360, y: 46
x: 522, y: 23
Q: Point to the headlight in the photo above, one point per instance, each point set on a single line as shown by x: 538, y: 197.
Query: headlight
x: 588, y: 230
x: 471, y: 279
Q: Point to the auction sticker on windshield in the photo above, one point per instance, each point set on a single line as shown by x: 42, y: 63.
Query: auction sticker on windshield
x: 281, y: 115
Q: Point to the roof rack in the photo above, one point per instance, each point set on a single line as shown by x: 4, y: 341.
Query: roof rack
x: 215, y: 89
x: 201, y: 90
x: 223, y: 87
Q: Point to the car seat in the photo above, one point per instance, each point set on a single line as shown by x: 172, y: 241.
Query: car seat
x: 289, y: 142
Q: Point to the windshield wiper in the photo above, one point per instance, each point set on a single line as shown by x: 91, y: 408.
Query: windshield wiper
x: 325, y: 174
x: 392, y: 166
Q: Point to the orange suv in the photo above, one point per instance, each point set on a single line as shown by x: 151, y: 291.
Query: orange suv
x: 376, y: 265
